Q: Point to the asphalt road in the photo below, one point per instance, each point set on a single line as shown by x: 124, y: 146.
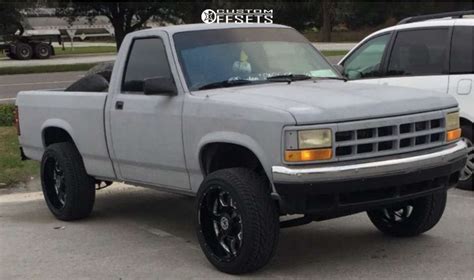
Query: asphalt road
x: 10, y: 85
x: 136, y: 233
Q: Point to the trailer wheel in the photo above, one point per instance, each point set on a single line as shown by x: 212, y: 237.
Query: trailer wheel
x: 42, y: 51
x: 23, y: 51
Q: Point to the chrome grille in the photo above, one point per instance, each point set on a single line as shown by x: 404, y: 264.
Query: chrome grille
x: 389, y: 136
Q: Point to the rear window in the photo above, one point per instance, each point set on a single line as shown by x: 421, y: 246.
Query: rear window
x: 419, y: 52
x: 462, y: 58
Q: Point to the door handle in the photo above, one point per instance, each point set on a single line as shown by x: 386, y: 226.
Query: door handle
x: 119, y: 105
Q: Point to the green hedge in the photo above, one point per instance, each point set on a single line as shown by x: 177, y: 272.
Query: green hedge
x: 7, y: 117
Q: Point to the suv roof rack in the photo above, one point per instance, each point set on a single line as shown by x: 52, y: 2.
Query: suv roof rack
x: 458, y: 14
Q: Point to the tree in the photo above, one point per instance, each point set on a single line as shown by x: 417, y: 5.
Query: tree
x: 327, y: 10
x: 125, y: 17
x: 11, y: 17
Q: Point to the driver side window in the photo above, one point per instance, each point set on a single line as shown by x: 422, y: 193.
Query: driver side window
x: 365, y: 62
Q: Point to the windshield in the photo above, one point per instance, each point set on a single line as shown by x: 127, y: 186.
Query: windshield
x: 250, y: 54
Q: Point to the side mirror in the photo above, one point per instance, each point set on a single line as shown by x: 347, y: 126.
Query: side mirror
x: 159, y: 86
x: 339, y: 68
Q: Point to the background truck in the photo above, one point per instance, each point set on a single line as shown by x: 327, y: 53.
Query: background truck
x: 254, y: 122
x: 21, y: 44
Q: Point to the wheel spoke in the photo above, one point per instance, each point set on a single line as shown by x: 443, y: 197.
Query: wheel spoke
x: 222, y: 237
x: 233, y: 246
x: 224, y: 199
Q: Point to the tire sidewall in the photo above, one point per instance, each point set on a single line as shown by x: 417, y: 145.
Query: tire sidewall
x: 19, y: 49
x: 224, y: 185
x: 40, y: 46
x: 249, y: 218
x: 53, y: 153
x: 79, y: 187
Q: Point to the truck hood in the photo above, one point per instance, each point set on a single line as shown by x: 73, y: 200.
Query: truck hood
x: 334, y: 101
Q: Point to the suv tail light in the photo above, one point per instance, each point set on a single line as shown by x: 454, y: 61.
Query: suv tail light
x: 17, y: 120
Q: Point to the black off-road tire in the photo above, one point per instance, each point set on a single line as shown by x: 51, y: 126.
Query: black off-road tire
x: 78, y: 186
x: 466, y: 183
x: 425, y: 214
x: 23, y: 51
x: 42, y: 51
x: 91, y: 83
x: 259, y: 219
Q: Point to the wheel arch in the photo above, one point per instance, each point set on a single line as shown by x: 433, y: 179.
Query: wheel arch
x: 233, y: 145
x: 465, y: 122
x: 56, y: 131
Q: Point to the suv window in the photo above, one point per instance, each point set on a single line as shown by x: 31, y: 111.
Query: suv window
x: 146, y: 59
x: 365, y: 61
x: 419, y: 52
x: 462, y: 58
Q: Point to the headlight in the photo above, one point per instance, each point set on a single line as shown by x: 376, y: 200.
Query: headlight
x: 311, y: 139
x: 308, y: 145
x: 452, y: 121
x: 453, y: 132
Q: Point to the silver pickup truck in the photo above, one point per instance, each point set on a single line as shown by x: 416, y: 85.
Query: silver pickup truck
x: 254, y: 122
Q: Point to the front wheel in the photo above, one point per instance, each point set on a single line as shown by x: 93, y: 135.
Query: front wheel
x: 237, y: 221
x: 410, y: 218
x: 68, y: 190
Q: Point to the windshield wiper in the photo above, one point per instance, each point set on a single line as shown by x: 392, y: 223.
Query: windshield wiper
x: 289, y: 78
x: 226, y: 83
x: 331, y: 78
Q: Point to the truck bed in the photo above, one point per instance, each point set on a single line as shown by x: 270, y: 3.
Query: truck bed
x: 81, y: 114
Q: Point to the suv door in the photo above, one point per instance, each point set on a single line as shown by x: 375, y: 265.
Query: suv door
x: 146, y: 132
x: 419, y: 59
x: 462, y: 70
x: 365, y: 63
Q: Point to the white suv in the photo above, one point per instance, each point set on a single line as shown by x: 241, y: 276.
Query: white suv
x: 433, y: 52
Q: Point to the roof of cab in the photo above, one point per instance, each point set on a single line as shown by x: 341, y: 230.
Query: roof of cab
x: 171, y: 29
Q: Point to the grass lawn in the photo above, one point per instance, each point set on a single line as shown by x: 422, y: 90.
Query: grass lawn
x: 81, y: 50
x: 85, y: 50
x: 12, y: 169
x: 46, y: 68
x: 334, y: 53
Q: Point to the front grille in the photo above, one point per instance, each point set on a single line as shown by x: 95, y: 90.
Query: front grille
x: 389, y: 136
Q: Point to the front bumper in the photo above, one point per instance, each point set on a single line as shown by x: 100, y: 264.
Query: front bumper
x: 336, y: 190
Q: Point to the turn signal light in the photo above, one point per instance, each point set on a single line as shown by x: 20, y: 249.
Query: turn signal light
x: 308, y: 155
x: 454, y: 134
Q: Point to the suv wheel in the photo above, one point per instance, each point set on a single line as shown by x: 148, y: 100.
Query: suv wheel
x: 410, y: 218
x: 465, y: 179
x: 237, y: 221
x: 68, y: 190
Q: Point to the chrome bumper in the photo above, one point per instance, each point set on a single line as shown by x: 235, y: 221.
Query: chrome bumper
x: 387, y: 166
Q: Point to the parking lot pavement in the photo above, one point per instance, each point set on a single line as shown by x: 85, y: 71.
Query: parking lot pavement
x: 136, y: 233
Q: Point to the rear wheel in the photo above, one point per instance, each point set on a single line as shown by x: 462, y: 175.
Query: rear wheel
x: 237, y: 221
x: 410, y: 218
x: 68, y: 190
x: 23, y: 51
x: 42, y: 51
x: 465, y: 179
